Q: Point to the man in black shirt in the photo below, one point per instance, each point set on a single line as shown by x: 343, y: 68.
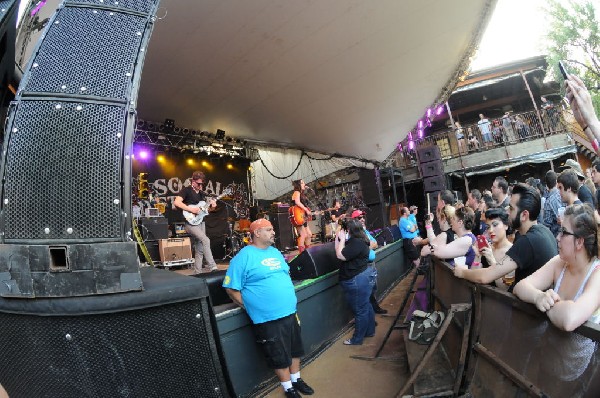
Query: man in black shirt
x: 534, y: 244
x: 187, y: 200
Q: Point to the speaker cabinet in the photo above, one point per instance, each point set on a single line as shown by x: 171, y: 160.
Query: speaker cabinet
x: 154, y: 228
x: 314, y: 262
x: 152, y: 247
x: 214, y: 281
x: 370, y: 185
x: 429, y: 154
x: 431, y: 169
x: 161, y: 342
x: 376, y: 216
x: 175, y: 249
x: 284, y: 234
x: 437, y: 183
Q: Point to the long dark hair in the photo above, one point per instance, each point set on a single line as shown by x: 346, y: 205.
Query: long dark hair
x: 355, y: 230
x: 297, y: 184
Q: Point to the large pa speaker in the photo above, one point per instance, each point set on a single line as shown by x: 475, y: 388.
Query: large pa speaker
x: 370, y: 185
x: 431, y: 169
x: 376, y: 216
x: 436, y: 183
x: 429, y: 153
x: 284, y: 234
x: 68, y: 148
x: 161, y: 342
x: 314, y: 261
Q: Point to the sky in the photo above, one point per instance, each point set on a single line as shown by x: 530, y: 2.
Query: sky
x: 514, y: 32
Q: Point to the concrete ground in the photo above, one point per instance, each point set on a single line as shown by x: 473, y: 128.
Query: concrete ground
x: 336, y: 374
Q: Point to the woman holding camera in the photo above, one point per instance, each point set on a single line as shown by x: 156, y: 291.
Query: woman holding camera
x: 445, y: 236
x: 357, y: 277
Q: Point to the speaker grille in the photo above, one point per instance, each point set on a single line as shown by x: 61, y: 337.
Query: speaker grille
x: 49, y: 179
x: 87, y: 51
x: 164, y: 351
x: 143, y: 6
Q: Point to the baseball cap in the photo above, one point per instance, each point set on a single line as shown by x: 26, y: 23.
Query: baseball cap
x: 260, y: 223
x: 357, y: 213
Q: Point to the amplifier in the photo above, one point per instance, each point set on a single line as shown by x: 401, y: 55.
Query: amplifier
x: 174, y: 249
x: 279, y: 207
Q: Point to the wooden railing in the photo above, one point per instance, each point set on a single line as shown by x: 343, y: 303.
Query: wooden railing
x: 508, y: 130
x: 513, y: 348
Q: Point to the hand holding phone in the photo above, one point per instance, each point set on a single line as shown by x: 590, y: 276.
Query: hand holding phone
x: 481, y: 242
x: 563, y: 70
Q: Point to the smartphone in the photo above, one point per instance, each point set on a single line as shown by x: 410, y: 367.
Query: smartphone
x: 562, y: 68
x: 481, y: 242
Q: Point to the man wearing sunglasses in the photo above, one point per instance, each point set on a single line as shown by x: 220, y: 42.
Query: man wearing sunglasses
x: 187, y: 200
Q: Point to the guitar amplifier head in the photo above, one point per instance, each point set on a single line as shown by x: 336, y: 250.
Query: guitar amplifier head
x: 152, y: 212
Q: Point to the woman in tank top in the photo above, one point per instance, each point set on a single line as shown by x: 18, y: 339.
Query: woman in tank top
x: 462, y: 223
x: 445, y: 236
x: 567, y: 286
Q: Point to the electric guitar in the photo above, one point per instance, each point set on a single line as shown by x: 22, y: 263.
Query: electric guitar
x: 196, y: 219
x: 298, y: 216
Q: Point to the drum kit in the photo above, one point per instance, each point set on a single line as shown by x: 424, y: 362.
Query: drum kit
x: 238, y: 237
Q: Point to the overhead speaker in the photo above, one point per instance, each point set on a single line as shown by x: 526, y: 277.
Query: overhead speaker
x: 68, y: 147
x: 431, y: 169
x: 436, y: 183
x: 314, y: 261
x: 429, y: 154
x: 161, y: 342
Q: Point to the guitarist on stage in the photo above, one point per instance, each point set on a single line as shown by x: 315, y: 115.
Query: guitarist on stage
x: 303, y: 231
x: 186, y: 200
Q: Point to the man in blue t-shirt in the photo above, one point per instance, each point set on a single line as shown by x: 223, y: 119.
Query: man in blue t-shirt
x: 409, y: 230
x: 258, y: 280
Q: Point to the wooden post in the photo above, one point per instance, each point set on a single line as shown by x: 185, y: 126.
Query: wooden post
x: 537, y: 111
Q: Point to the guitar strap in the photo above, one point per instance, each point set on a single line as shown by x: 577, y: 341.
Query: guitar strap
x: 140, y: 241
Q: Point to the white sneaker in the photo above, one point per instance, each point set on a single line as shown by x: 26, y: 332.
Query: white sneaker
x: 213, y: 268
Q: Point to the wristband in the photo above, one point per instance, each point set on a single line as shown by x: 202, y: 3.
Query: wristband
x: 427, y: 226
x: 595, y: 145
x: 475, y: 264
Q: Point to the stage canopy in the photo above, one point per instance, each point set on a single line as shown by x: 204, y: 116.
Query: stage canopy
x: 333, y: 77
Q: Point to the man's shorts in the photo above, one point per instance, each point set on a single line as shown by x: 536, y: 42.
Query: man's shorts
x: 280, y: 341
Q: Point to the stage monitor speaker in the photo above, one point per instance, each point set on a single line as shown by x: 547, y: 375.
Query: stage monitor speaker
x: 284, y: 234
x: 432, y: 169
x: 152, y: 248
x: 161, y: 342
x: 437, y: 183
x: 370, y: 185
x: 175, y: 249
x: 429, y: 154
x: 395, y: 230
x: 214, y: 281
x: 72, y: 127
x: 314, y: 261
x: 154, y: 228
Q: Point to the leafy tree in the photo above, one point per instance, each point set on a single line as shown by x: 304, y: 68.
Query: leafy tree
x: 573, y: 35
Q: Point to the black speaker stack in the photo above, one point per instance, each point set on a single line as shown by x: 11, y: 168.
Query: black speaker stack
x: 314, y: 262
x: 372, y: 193
x: 152, y: 230
x: 432, y: 169
x: 68, y: 148
x: 284, y: 234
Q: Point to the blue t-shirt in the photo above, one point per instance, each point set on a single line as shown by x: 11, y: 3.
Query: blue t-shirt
x: 263, y: 278
x: 371, y: 251
x: 406, y: 224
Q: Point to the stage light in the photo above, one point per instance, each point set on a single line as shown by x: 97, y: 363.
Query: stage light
x: 190, y: 162
x: 428, y: 112
x: 229, y: 166
x: 169, y: 125
x: 420, y: 134
x: 161, y: 158
x: 420, y: 124
x: 143, y: 187
x: 204, y: 163
x: 143, y: 155
x: 439, y: 110
x: 220, y: 134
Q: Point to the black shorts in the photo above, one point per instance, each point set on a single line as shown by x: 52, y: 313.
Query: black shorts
x: 280, y: 341
x: 410, y: 250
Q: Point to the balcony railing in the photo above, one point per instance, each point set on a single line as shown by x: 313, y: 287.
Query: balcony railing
x: 477, y: 137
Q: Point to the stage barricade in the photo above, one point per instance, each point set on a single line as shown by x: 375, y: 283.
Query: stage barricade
x: 514, y: 350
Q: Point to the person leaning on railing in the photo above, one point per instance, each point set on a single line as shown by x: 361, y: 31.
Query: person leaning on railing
x: 567, y: 286
x: 446, y: 234
x: 583, y: 109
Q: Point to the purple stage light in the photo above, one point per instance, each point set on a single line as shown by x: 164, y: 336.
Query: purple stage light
x: 439, y: 110
x: 428, y: 112
x: 420, y: 134
x: 143, y: 154
x: 420, y: 124
x: 399, y: 146
x: 411, y: 145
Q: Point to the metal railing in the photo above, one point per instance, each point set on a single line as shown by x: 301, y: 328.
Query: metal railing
x: 507, y: 130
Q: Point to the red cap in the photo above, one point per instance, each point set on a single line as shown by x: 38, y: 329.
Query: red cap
x: 357, y: 213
